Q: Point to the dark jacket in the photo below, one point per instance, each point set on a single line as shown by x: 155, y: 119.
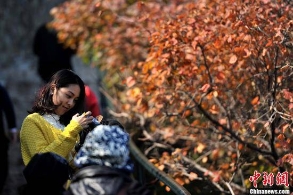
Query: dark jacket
x: 7, y: 110
x: 52, y: 55
x: 40, y: 189
x: 46, y: 174
x: 102, y: 180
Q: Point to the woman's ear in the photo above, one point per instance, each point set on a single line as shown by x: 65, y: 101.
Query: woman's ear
x: 52, y: 88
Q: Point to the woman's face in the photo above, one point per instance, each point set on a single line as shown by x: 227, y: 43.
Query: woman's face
x: 65, y: 98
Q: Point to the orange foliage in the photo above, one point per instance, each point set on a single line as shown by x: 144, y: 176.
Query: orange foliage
x: 215, y: 74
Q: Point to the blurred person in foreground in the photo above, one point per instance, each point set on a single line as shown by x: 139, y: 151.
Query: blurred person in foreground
x: 104, y: 164
x: 6, y: 112
x: 45, y: 174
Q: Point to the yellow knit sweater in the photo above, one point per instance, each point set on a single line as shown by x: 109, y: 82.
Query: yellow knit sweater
x: 39, y: 136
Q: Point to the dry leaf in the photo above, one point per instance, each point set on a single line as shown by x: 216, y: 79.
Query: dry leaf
x: 233, y: 59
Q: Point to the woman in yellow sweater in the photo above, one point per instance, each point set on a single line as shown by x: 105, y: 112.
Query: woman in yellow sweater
x: 54, y: 122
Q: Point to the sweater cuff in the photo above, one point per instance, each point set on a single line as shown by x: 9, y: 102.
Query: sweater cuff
x: 73, y: 128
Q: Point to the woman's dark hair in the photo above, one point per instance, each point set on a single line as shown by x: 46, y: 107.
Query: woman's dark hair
x: 63, y: 78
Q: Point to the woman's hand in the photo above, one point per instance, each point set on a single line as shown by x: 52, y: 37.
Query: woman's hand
x: 83, y: 119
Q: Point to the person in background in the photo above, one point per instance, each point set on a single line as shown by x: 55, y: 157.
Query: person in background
x: 91, y: 101
x: 56, y: 118
x: 45, y: 174
x: 104, y: 164
x: 6, y: 112
x: 52, y: 55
